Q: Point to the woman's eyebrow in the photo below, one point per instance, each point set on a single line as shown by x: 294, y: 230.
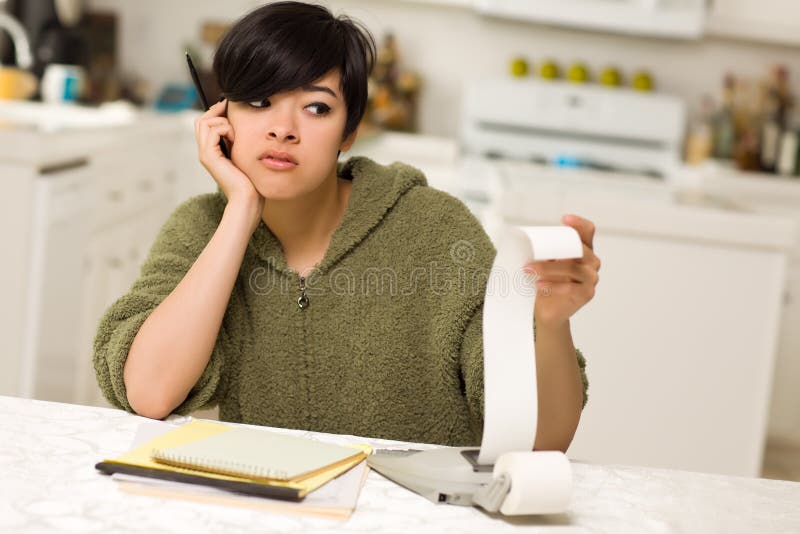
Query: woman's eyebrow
x: 322, y: 88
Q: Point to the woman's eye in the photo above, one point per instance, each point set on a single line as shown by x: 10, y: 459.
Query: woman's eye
x: 319, y: 108
x: 259, y: 104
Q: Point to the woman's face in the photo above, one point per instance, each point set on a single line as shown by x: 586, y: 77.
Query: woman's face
x: 303, y: 125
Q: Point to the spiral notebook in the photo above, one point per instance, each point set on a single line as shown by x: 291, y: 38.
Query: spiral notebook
x: 140, y: 462
x: 258, y: 455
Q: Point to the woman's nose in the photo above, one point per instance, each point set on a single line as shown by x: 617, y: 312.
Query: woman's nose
x: 282, y: 133
x: 282, y: 128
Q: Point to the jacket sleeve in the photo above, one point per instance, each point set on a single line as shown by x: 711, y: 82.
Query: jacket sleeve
x: 177, y: 246
x: 471, y: 361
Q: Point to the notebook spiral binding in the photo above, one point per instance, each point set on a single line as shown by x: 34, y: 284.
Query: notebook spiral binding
x: 220, y: 467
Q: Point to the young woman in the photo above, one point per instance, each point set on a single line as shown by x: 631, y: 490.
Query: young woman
x: 307, y: 293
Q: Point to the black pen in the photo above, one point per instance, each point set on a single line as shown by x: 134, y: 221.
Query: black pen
x: 203, y: 100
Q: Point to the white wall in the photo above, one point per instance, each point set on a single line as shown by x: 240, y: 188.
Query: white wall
x: 448, y: 45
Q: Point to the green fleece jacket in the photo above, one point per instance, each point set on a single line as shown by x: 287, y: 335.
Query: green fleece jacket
x: 383, y: 339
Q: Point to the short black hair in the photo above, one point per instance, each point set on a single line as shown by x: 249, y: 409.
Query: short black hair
x: 285, y: 45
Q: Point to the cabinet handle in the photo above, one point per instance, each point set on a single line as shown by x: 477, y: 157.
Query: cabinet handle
x: 61, y: 166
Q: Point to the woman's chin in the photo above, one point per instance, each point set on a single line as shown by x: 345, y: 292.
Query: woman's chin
x: 283, y: 186
x: 273, y: 191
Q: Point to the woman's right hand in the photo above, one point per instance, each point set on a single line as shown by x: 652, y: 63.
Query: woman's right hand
x: 209, y: 128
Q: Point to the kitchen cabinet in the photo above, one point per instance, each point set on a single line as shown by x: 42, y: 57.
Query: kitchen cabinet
x: 80, y: 219
x: 776, y: 21
x: 45, y: 227
x: 130, y: 210
x: 59, y: 232
x: 682, y: 335
x: 775, y: 196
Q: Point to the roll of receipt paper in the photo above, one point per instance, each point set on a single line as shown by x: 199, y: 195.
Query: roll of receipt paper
x: 541, y: 482
x: 509, y: 354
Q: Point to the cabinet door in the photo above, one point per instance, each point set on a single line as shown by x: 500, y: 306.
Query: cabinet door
x: 785, y: 407
x: 104, y: 282
x: 112, y: 265
x: 766, y: 20
x: 680, y: 338
x: 16, y: 225
x: 680, y: 341
x: 61, y: 232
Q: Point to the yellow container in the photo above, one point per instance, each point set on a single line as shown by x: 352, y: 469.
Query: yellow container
x: 16, y: 84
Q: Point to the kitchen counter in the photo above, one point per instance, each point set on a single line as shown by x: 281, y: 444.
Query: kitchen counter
x: 639, y: 206
x: 29, y: 137
x: 49, y: 449
x: 702, y: 210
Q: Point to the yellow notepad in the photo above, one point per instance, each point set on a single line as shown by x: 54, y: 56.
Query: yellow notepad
x: 198, y: 430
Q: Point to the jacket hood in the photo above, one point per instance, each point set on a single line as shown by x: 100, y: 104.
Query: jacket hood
x: 376, y: 189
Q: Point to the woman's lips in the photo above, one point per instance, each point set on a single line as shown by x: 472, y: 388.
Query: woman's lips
x: 278, y: 164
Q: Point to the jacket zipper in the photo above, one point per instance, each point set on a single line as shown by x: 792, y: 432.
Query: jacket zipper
x: 302, y: 300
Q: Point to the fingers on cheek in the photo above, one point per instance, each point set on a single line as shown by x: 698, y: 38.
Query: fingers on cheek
x: 220, y: 131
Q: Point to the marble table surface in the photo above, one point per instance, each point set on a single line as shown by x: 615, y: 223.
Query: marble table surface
x: 48, y: 484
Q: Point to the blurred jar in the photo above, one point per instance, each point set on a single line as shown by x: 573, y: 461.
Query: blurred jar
x: 699, y: 140
x: 62, y: 83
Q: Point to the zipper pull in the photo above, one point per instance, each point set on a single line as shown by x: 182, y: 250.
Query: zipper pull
x: 302, y: 300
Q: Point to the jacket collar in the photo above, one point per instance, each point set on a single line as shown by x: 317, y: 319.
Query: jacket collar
x: 376, y: 189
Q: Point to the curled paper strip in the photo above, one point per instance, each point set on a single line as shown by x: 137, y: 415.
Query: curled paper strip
x: 509, y: 356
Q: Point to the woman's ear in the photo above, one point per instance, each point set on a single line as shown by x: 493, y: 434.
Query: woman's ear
x: 348, y: 141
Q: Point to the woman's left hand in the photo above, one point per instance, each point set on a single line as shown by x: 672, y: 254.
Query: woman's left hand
x: 565, y: 286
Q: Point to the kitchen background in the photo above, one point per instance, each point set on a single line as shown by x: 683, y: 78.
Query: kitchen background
x: 670, y: 123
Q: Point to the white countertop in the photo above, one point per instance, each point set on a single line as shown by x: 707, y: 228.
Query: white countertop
x: 48, y: 451
x: 696, y: 207
x: 29, y: 144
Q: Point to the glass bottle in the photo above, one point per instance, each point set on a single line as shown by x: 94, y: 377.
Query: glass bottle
x: 724, y: 125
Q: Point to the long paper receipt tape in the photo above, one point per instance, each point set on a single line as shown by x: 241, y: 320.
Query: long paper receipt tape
x: 509, y: 357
